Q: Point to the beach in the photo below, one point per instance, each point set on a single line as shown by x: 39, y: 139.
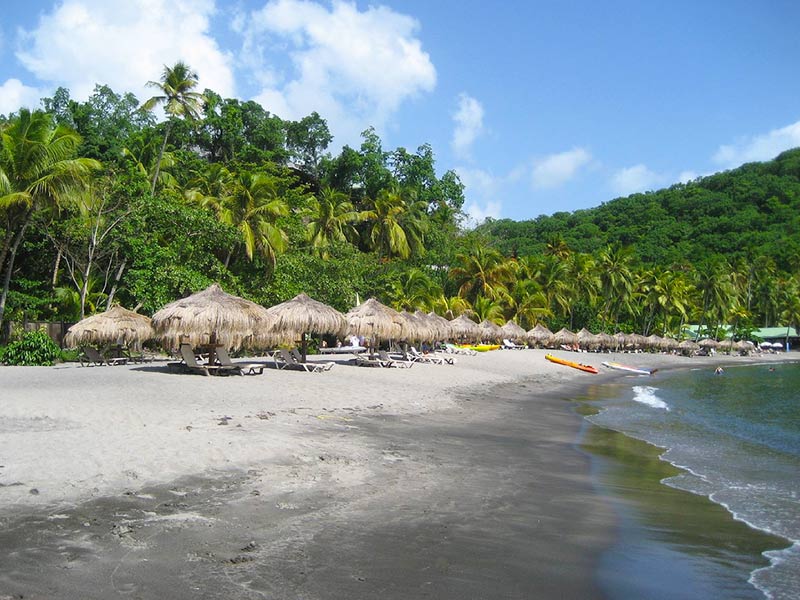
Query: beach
x: 451, y: 481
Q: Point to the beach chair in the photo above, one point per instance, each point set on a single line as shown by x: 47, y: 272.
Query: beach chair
x: 509, y: 345
x: 453, y: 349
x: 189, y: 364
x: 248, y: 368
x: 367, y: 361
x: 290, y: 362
x: 91, y: 357
x: 389, y: 361
x: 431, y: 359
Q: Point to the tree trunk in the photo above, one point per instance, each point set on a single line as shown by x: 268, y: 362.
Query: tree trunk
x: 117, y: 278
x: 160, y: 156
x: 12, y: 255
x: 56, y: 268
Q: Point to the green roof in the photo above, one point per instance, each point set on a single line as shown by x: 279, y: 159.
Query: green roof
x: 775, y: 332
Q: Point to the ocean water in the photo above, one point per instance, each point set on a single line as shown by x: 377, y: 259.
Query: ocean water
x: 735, y: 439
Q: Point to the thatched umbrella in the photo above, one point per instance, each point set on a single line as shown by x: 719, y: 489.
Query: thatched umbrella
x: 514, y: 332
x: 540, y: 335
x: 465, y: 328
x: 565, y: 337
x: 708, y: 343
x: 445, y: 331
x: 606, y: 341
x: 302, y: 315
x: 490, y: 331
x: 433, y: 328
x: 374, y: 321
x: 586, y: 339
x: 654, y: 342
x: 688, y: 347
x: 620, y: 339
x: 414, y: 328
x: 117, y: 325
x: 214, y: 318
x: 636, y: 340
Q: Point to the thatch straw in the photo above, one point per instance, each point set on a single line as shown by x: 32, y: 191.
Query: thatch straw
x: 565, y: 336
x: 586, y: 339
x: 490, y: 331
x: 606, y: 341
x: 445, y: 330
x: 373, y: 320
x: 514, y: 332
x: 465, y: 328
x: 212, y: 317
x: 117, y: 325
x: 688, y: 347
x: 413, y: 328
x: 708, y: 343
x: 302, y: 315
x: 540, y: 335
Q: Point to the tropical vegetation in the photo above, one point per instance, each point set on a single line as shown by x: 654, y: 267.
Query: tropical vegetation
x: 101, y: 202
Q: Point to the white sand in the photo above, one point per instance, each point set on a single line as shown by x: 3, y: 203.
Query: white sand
x: 69, y: 433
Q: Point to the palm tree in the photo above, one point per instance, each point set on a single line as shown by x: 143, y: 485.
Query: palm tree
x: 487, y: 309
x: 615, y: 280
x: 413, y: 290
x: 142, y: 152
x: 450, y: 307
x: 253, y: 207
x: 713, y: 284
x: 397, y: 225
x: 331, y: 218
x: 529, y: 304
x: 179, y: 100
x: 38, y: 169
x: 582, y: 282
x: 481, y: 270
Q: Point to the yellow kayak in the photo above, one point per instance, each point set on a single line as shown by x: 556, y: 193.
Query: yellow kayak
x: 481, y: 347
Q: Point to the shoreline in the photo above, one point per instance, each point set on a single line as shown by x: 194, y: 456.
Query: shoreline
x: 348, y: 443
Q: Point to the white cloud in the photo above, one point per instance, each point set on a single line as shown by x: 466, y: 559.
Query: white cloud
x: 15, y: 95
x: 635, y: 179
x: 124, y: 44
x: 687, y: 176
x: 354, y: 67
x: 759, y: 147
x: 469, y: 124
x: 476, y: 213
x: 557, y: 169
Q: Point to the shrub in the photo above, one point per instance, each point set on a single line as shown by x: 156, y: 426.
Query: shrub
x: 34, y: 348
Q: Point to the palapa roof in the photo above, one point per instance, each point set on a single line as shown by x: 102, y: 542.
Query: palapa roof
x: 565, y: 336
x: 514, y: 331
x: 371, y: 319
x: 490, y: 330
x: 445, y: 330
x: 540, y: 334
x: 413, y: 328
x: 212, y: 313
x: 117, y: 325
x: 464, y: 327
x: 303, y: 314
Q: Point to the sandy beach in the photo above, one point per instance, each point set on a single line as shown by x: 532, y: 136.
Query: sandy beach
x: 459, y: 481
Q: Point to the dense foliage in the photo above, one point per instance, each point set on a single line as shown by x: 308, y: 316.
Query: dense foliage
x: 34, y: 348
x: 100, y: 203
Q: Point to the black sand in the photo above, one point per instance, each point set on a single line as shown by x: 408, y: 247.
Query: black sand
x: 492, y: 501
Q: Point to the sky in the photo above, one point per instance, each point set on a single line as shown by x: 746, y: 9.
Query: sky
x: 539, y: 106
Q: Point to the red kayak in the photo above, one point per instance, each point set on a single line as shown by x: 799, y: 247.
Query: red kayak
x: 574, y: 365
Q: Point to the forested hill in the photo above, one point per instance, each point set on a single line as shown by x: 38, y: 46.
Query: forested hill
x: 750, y: 211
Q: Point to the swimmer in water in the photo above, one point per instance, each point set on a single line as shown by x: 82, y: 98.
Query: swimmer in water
x: 718, y: 371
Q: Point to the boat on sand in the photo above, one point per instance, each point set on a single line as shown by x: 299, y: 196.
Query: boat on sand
x: 571, y: 363
x: 619, y: 367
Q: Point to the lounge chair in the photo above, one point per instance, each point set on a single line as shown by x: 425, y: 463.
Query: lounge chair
x: 189, y: 364
x: 249, y: 368
x: 367, y: 361
x: 432, y: 359
x: 288, y: 361
x: 453, y: 349
x: 509, y: 345
x: 91, y: 357
x: 389, y: 361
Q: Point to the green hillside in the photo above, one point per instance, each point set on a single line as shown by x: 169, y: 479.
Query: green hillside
x: 750, y: 211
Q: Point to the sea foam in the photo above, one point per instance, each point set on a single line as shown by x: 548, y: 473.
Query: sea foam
x: 647, y: 395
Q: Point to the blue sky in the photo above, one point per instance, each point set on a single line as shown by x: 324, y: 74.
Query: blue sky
x: 539, y: 106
